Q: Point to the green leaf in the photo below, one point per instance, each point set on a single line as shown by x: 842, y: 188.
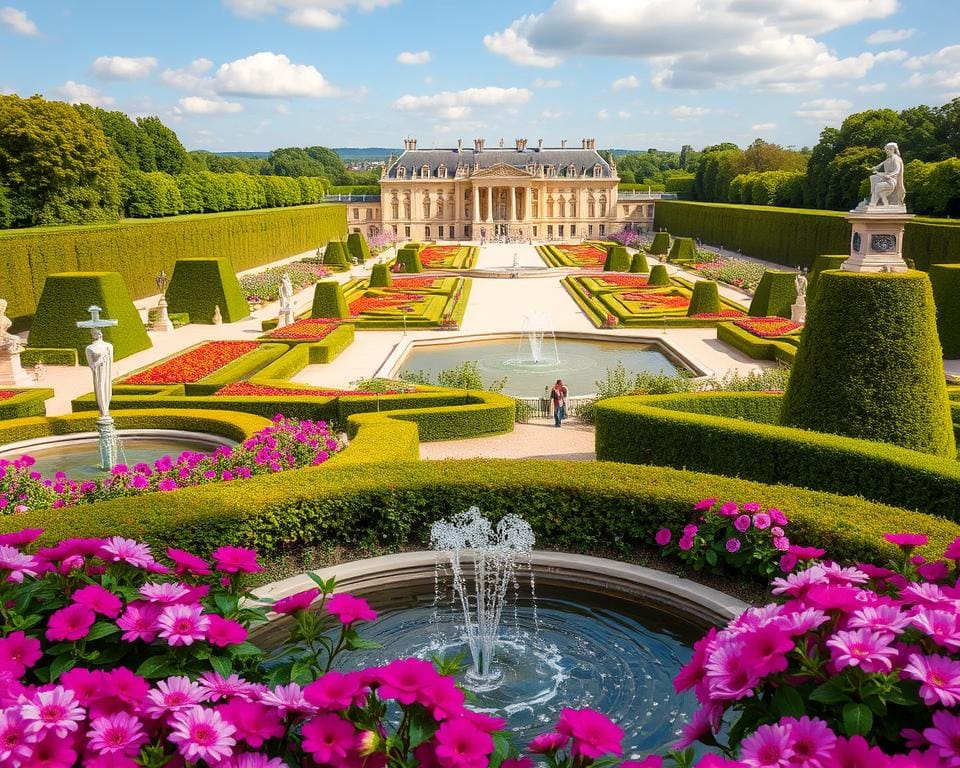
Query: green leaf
x: 227, y: 604
x: 857, y: 719
x: 831, y: 692
x: 60, y: 665
x: 156, y: 666
x: 221, y: 665
x: 421, y: 729
x: 102, y: 629
x: 787, y: 702
x: 711, y: 557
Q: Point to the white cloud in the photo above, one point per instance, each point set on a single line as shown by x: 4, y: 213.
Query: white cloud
x: 512, y: 44
x: 552, y: 114
x: 829, y: 111
x: 630, y: 81
x: 453, y: 102
x: 883, y: 36
x: 123, y: 67
x: 603, y: 115
x: 314, y: 18
x: 541, y: 83
x: 271, y: 74
x: 763, y: 127
x: 78, y: 93
x: 282, y: 109
x: 623, y: 114
x: 699, y: 44
x: 198, y: 105
x: 316, y: 14
x: 18, y: 21
x: 410, y: 57
x: 896, y: 54
x: 189, y: 78
x: 684, y: 112
x: 872, y: 88
x: 940, y: 70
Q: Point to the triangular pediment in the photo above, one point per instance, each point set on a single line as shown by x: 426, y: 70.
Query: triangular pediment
x: 501, y: 170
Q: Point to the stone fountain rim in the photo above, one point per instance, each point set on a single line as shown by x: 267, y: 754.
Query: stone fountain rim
x: 74, y: 438
x: 683, y: 598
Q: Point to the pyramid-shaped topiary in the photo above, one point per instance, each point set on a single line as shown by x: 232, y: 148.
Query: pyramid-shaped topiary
x: 357, y: 247
x: 335, y: 255
x: 682, y: 249
x: 380, y: 277
x: 776, y: 291
x: 705, y: 299
x: 198, y: 286
x: 618, y: 260
x: 328, y: 300
x: 660, y: 245
x: 639, y: 262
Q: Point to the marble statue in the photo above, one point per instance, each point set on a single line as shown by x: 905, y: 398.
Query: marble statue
x: 100, y: 359
x: 8, y: 342
x: 886, y: 184
x: 801, y: 283
x: 286, y: 291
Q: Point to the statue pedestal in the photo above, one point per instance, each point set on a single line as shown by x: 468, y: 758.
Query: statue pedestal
x: 163, y: 323
x: 108, y: 442
x: 286, y: 317
x: 798, y: 313
x: 876, y: 243
x: 11, y: 372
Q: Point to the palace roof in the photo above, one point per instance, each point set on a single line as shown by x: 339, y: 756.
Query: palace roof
x: 566, y: 163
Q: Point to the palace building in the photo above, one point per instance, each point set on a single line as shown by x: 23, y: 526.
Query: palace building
x: 536, y: 193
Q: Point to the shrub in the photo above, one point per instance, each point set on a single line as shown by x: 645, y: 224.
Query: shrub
x: 380, y: 277
x: 869, y: 364
x: 682, y: 249
x: 775, y: 293
x: 945, y: 279
x: 705, y: 298
x: 639, y: 262
x: 48, y: 356
x: 618, y: 260
x: 23, y: 402
x: 335, y: 255
x: 66, y: 298
x: 357, y: 247
x: 328, y: 300
x: 660, y: 245
x: 659, y: 276
x: 408, y: 259
x: 821, y: 264
x: 199, y: 285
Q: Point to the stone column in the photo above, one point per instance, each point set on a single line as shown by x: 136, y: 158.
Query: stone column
x: 475, y: 213
x: 488, y: 214
x: 512, y: 191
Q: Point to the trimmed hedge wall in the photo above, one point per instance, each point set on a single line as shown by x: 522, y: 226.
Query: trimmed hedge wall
x: 199, y: 285
x: 639, y: 262
x: 661, y: 243
x: 821, y: 264
x: 139, y: 248
x: 869, y: 363
x: 945, y: 279
x: 682, y: 249
x: 27, y: 402
x: 795, y: 236
x: 48, y: 356
x: 380, y: 276
x: 66, y: 298
x: 736, y: 434
x: 618, y: 260
x: 659, y: 276
x: 704, y: 299
x: 328, y: 300
x: 775, y: 292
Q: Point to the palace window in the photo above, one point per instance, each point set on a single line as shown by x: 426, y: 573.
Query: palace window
x: 356, y: 214
x: 406, y: 208
x: 591, y: 209
x: 563, y: 208
x: 573, y: 208
x: 597, y: 171
x: 571, y: 170
x: 406, y: 232
x: 603, y: 208
x: 550, y: 171
x: 442, y: 172
x: 440, y: 232
x: 549, y: 207
x: 425, y: 172
x: 401, y: 172
x: 426, y: 232
x: 426, y: 208
x: 603, y: 230
x: 573, y: 230
x: 395, y: 209
x: 440, y: 209
x: 589, y: 230
x: 369, y: 216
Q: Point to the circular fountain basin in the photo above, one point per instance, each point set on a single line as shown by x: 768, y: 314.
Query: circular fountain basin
x: 578, y: 361
x: 601, y: 634
x: 78, y: 455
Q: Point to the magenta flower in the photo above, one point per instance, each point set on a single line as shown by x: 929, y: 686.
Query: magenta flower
x: 117, y: 549
x: 733, y: 546
x: 120, y: 733
x: 328, y: 738
x: 287, y: 698
x: 768, y: 747
x: 944, y: 736
x: 18, y: 563
x: 167, y: 484
x: 460, y: 743
x: 336, y: 690
x: 939, y: 678
x: 952, y: 551
x: 55, y: 711
x: 663, y: 537
x: 53, y: 752
x: 807, y: 553
x: 869, y: 650
x: 20, y: 538
x: 777, y: 516
x: 882, y: 618
x: 704, y: 504
x: 742, y: 523
x: 685, y: 543
x: 223, y: 632
x: 729, y: 509
x: 445, y: 700
x: 182, y: 624
x: 236, y: 560
x: 728, y: 675
x: 761, y: 521
x: 811, y: 740
x: 172, y: 695
x: 349, y: 609
x: 187, y: 562
x: 942, y: 626
x: 15, y: 743
x: 139, y: 622
x: 218, y: 687
x: 404, y: 679
x: 165, y: 592
x: 787, y: 563
x: 547, y: 743
x: 593, y: 734
x: 202, y: 734
x: 254, y: 722
x: 70, y: 623
x: 906, y: 541
x: 298, y: 602
x: 99, y: 600
x: 18, y: 653
x: 766, y: 648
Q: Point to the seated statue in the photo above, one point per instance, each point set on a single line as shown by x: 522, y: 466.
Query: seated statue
x: 886, y: 184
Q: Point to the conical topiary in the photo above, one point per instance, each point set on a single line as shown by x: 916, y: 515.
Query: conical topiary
x: 659, y: 276
x: 660, y: 245
x: 618, y: 260
x: 869, y: 363
x: 705, y: 299
x: 380, y: 277
x: 357, y: 247
x: 820, y: 265
x: 328, y: 300
x: 776, y: 291
x: 409, y: 259
x: 639, y: 262
x: 335, y: 255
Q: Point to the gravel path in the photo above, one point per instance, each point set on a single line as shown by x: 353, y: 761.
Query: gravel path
x: 538, y: 439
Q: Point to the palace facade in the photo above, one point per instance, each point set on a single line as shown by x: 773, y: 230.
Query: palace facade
x: 528, y: 193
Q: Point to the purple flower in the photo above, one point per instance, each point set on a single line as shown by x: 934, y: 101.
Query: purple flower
x: 733, y: 545
x: 742, y: 523
x: 663, y: 537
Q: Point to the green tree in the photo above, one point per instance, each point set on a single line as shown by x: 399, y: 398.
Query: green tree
x: 56, y: 164
x: 171, y: 157
x: 921, y: 138
x: 846, y: 175
x: 762, y: 156
x: 130, y: 143
x: 6, y: 211
x: 295, y: 161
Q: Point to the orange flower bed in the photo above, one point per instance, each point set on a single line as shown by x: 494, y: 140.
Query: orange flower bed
x: 437, y: 253
x: 246, y: 389
x: 6, y: 394
x: 723, y: 313
x: 586, y: 254
x: 656, y: 300
x: 193, y: 365
x: 626, y: 281
x: 307, y: 328
x: 767, y: 327
x: 366, y: 304
x: 406, y: 283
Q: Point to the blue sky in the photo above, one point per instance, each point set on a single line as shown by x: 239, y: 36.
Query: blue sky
x: 259, y: 74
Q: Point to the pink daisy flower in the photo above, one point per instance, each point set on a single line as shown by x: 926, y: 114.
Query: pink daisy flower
x: 18, y: 563
x: 255, y: 723
x: 349, y: 609
x: 881, y: 618
x: 287, y: 698
x: 906, y: 541
x: 869, y: 650
x: 202, y: 734
x: 944, y: 736
x: 182, y: 624
x: 802, y: 622
x: 461, y: 743
x: 223, y: 632
x: 172, y: 695
x: 53, y: 752
x: 942, y: 626
x: 798, y: 584
x: 120, y: 733
x: 728, y: 675
x: 547, y: 742
x: 187, y: 562
x: 117, y: 549
x: 70, y: 623
x: 404, y: 679
x: 768, y: 747
x: 218, y: 687
x: 939, y: 678
x: 166, y: 592
x: 236, y: 560
x: 328, y: 738
x: 251, y: 760
x: 336, y: 690
x: 139, y: 622
x: 811, y: 741
x: 54, y: 711
x: 15, y: 743
x: 594, y: 734
x: 98, y: 600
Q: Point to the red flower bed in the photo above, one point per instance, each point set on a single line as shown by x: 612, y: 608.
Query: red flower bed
x: 584, y: 253
x: 366, y: 304
x: 626, y: 281
x: 6, y: 394
x: 193, y: 365
x: 246, y: 389
x: 405, y: 283
x: 437, y: 253
x: 656, y: 300
x: 308, y: 328
x: 723, y: 313
x: 767, y: 327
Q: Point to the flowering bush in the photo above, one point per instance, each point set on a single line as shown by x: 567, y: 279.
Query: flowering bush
x: 380, y: 241
x: 849, y: 665
x: 194, y: 364
x: 730, y: 270
x: 625, y: 237
x: 265, y: 285
x: 287, y: 444
x: 307, y: 328
x: 767, y: 327
x: 747, y: 539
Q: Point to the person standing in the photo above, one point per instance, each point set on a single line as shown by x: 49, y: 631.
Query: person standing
x: 558, y: 397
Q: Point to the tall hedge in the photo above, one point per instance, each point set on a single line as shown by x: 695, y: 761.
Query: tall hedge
x: 139, y: 249
x: 661, y: 242
x: 198, y: 286
x: 682, y: 249
x: 821, y: 264
x: 328, y: 300
x: 795, y: 236
x: 869, y: 363
x: 64, y: 301
x: 639, y: 262
x: 945, y: 279
x: 357, y: 247
x: 775, y: 292
x: 659, y: 275
x: 617, y: 260
x: 705, y: 298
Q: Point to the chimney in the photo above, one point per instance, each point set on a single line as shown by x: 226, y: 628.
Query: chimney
x: 459, y: 145
x: 540, y: 145
x: 563, y: 143
x: 583, y: 143
x: 478, y: 145
x: 413, y: 143
x: 520, y: 145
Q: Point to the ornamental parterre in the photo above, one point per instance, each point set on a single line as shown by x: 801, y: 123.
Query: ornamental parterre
x: 194, y: 364
x: 584, y: 254
x: 767, y: 327
x: 306, y: 328
x: 437, y: 253
x: 656, y: 300
x: 374, y: 303
x: 626, y: 281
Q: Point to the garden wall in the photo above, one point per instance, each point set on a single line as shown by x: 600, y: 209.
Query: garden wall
x: 138, y: 249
